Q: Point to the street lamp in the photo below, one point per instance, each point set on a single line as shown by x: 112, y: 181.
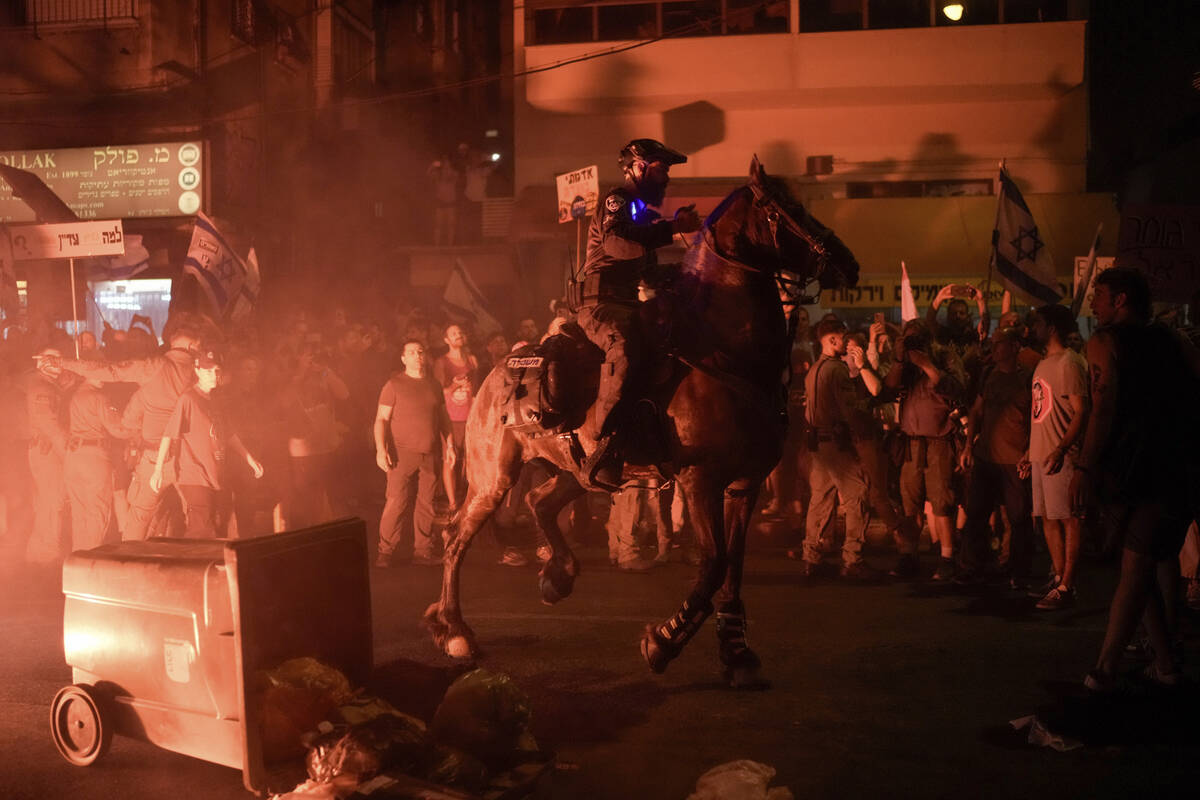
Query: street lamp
x: 953, y: 11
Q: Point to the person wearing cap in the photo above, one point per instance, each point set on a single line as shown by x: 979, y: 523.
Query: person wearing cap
x: 832, y: 413
x: 95, y: 426
x: 997, y: 453
x: 202, y: 430
x: 45, y: 395
x: 622, y: 238
x: 161, y: 379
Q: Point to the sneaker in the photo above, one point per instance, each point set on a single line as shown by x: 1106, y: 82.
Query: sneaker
x: 1097, y: 682
x: 1193, y: 594
x: 664, y: 557
x: 638, y: 564
x: 860, y: 572
x: 426, y: 560
x: 945, y: 570
x: 970, y: 577
x: 1039, y: 592
x: 513, y: 557
x: 1057, y: 598
x: 809, y: 569
x: 907, y: 567
x: 383, y: 560
x: 1167, y: 680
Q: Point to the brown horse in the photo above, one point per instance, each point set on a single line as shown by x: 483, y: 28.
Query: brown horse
x: 724, y: 419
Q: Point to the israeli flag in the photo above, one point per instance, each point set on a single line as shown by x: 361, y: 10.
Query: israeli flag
x: 1019, y: 252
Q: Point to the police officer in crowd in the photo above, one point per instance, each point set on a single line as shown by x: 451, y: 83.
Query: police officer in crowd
x: 95, y: 428
x: 162, y: 379
x: 45, y: 395
x: 620, y: 250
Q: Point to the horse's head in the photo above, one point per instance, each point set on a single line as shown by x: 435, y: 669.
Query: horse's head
x: 763, y: 226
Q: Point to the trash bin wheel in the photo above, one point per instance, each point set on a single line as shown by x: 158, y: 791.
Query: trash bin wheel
x: 81, y: 732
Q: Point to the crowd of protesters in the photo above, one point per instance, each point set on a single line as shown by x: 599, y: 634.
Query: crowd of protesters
x: 971, y: 436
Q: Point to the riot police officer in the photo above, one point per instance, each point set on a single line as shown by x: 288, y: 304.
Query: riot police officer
x: 622, y: 238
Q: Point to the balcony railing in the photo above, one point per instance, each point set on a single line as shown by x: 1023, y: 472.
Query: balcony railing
x: 35, y: 13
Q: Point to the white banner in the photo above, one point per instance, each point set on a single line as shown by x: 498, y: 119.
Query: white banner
x: 68, y: 240
x: 578, y: 193
x: 1102, y: 263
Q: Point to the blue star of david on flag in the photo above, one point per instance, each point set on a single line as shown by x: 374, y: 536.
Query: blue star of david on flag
x: 1027, y: 244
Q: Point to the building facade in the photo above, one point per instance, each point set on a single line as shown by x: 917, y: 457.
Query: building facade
x: 888, y: 118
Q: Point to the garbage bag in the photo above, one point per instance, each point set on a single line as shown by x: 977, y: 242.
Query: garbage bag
x: 739, y: 780
x: 452, y: 767
x: 387, y: 742
x: 294, y: 698
x: 309, y: 673
x: 486, y: 716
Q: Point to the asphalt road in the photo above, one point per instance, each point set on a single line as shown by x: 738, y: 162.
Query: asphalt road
x: 893, y: 690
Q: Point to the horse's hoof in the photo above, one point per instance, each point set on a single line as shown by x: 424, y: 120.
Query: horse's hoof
x: 656, y: 657
x: 459, y: 647
x: 555, y: 582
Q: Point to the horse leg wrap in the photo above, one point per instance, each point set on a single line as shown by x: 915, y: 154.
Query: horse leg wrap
x: 679, y: 629
x: 731, y: 633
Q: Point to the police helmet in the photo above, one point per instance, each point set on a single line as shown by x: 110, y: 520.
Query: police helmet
x: 649, y: 150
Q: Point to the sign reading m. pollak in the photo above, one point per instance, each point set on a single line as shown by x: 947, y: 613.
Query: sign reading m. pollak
x: 578, y: 193
x: 165, y: 179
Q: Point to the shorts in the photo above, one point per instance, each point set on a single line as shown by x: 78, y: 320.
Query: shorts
x: 1153, y: 527
x: 929, y: 482
x: 1052, y: 493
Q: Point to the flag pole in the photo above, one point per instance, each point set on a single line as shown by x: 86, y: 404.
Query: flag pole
x: 74, y: 311
x: 1088, y: 273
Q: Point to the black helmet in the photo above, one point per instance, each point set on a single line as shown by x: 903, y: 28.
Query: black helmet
x: 649, y: 150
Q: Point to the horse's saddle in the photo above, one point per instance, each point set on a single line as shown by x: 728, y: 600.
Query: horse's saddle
x: 550, y: 386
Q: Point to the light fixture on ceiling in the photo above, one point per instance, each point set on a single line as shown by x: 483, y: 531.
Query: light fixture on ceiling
x: 953, y: 11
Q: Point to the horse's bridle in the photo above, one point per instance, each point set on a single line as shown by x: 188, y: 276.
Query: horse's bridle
x: 794, y: 288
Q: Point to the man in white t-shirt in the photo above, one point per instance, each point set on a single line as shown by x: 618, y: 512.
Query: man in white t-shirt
x: 1059, y: 415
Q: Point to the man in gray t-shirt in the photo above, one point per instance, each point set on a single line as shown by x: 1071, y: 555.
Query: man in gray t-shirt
x: 1059, y: 414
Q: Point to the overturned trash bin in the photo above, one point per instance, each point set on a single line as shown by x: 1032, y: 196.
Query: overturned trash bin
x: 167, y: 638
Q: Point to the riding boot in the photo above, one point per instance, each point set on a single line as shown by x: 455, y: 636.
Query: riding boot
x: 607, y: 466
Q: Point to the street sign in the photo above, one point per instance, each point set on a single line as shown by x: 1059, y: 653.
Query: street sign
x: 578, y: 193
x: 165, y: 179
x: 68, y: 240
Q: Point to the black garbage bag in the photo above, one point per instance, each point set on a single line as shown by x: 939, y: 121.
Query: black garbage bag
x: 386, y: 742
x: 450, y: 766
x: 486, y: 716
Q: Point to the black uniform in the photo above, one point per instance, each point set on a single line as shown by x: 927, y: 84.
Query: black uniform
x: 621, y: 243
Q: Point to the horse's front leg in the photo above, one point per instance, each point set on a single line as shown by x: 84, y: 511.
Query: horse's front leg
x: 662, y: 643
x: 557, y: 576
x: 741, y: 666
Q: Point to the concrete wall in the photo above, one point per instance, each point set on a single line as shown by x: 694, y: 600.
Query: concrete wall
x: 916, y: 103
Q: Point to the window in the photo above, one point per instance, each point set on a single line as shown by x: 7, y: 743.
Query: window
x: 831, y: 15
x: 693, y: 18
x: 627, y: 21
x: 1035, y: 10
x: 755, y: 16
x: 554, y: 22
x: 898, y: 14
x: 560, y: 25
x: 974, y: 12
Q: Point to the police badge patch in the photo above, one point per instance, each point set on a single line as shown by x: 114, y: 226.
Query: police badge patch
x: 614, y: 202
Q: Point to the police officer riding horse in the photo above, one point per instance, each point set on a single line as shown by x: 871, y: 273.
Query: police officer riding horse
x: 622, y: 239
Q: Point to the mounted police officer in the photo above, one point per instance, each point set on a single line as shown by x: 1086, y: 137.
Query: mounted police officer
x: 623, y: 236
